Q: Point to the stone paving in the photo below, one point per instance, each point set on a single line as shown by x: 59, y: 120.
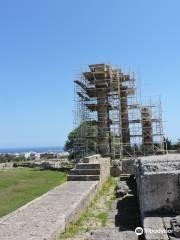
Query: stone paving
x: 123, y: 217
x: 47, y: 216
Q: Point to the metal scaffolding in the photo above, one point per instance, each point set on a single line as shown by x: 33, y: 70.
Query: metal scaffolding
x: 108, y: 118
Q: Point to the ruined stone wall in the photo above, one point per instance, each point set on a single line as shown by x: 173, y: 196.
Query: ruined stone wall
x: 6, y: 165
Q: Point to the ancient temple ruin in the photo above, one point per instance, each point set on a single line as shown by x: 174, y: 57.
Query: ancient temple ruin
x: 111, y: 120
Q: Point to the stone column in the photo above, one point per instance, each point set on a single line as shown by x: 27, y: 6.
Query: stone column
x: 103, y: 122
x: 147, y: 130
x: 124, y: 119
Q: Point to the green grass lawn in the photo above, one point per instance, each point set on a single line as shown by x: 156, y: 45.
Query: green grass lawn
x: 21, y: 185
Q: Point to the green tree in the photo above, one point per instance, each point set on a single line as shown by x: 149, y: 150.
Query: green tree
x: 171, y: 146
x: 168, y: 144
x: 69, y: 145
x: 84, y: 138
x: 177, y: 145
x: 10, y: 158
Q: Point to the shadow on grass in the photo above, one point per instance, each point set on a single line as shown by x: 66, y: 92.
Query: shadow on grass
x: 63, y: 169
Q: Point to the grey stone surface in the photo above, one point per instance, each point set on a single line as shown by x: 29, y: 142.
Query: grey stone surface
x: 92, y: 158
x: 128, y: 235
x: 154, y: 229
x: 168, y: 225
x: 83, y: 178
x: 116, y: 163
x: 105, y: 233
x: 121, y: 221
x: 113, y: 234
x: 47, y: 216
x: 158, y: 184
x: 129, y: 166
x: 95, y: 165
x: 104, y: 169
x: 166, y: 221
x: 175, y: 224
x: 115, y: 171
x: 116, y: 168
x: 121, y: 189
x: 162, y: 163
x: 85, y: 171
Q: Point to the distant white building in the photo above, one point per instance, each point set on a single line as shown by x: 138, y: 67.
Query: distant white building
x: 30, y: 155
x: 62, y: 154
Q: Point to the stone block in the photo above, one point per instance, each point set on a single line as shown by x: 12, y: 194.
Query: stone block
x: 85, y: 171
x: 121, y: 189
x: 83, y: 178
x: 158, y: 184
x: 128, y: 166
x: 154, y: 229
x: 104, y: 169
x: 115, y: 171
x: 175, y: 224
x: 92, y: 158
x: 88, y: 165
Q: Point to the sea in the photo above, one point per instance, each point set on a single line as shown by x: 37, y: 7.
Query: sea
x: 32, y: 149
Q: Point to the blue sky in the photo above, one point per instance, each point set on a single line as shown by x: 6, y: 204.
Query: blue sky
x: 43, y: 43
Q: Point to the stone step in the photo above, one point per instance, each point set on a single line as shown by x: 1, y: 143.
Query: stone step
x: 124, y: 177
x: 83, y: 178
x: 88, y: 166
x: 113, y: 234
x: 105, y: 234
x: 76, y: 171
x: 107, y: 238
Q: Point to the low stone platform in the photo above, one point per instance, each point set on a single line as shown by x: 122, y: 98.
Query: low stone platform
x: 47, y: 216
x: 162, y: 227
x: 158, y: 184
x: 92, y: 168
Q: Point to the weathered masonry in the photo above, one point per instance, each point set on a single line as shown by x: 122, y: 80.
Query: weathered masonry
x: 158, y: 186
x: 111, y: 120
